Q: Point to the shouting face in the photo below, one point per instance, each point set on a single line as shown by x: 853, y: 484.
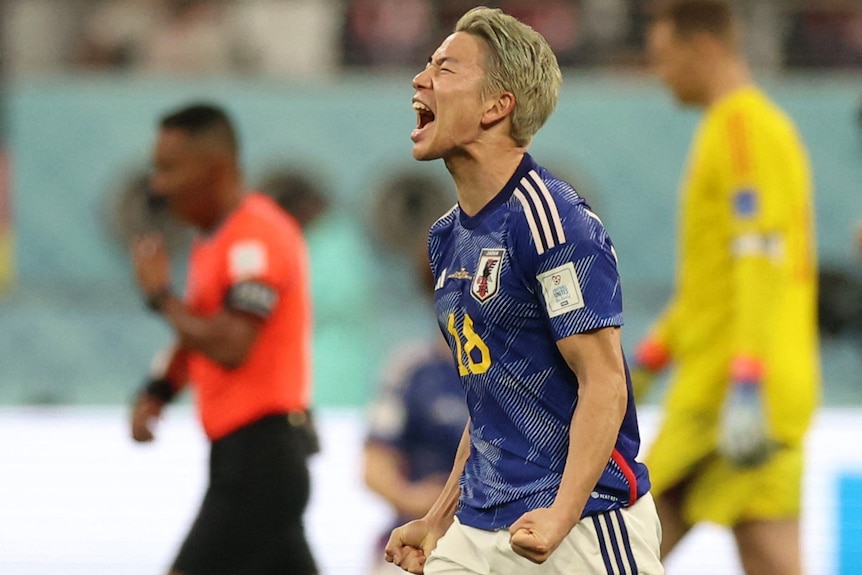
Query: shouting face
x: 448, y: 98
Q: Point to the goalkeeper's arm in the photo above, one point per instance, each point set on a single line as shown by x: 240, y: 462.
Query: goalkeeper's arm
x: 650, y: 358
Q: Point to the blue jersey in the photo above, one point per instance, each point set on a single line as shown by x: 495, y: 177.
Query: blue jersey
x: 535, y: 265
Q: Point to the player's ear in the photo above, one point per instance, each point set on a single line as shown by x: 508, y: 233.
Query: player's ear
x: 497, y: 107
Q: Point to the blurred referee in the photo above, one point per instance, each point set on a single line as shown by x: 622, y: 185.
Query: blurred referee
x: 242, y: 335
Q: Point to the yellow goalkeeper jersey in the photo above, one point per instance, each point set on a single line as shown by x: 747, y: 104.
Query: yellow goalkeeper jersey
x: 746, y: 277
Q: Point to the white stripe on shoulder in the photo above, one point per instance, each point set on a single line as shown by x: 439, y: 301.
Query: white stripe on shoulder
x: 541, y: 212
x: 552, y: 205
x: 533, y: 196
x: 531, y: 221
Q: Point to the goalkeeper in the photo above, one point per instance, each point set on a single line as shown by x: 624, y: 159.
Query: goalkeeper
x: 741, y: 327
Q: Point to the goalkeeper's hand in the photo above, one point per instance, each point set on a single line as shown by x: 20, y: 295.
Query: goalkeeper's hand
x: 650, y: 358
x: 744, y: 435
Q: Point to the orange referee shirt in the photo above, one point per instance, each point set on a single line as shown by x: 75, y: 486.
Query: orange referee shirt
x: 258, y: 244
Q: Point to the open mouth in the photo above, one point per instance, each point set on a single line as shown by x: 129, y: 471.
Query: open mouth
x: 424, y: 115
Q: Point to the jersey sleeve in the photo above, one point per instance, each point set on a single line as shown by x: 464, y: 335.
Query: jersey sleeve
x: 576, y: 277
x: 257, y: 270
x: 751, y: 197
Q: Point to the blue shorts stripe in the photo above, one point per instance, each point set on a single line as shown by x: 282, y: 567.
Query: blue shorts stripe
x: 628, y: 544
x: 600, y: 534
x: 614, y: 545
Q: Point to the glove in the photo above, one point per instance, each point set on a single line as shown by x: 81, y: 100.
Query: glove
x: 650, y: 358
x: 744, y: 435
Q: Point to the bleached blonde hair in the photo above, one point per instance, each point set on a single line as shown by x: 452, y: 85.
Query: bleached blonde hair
x: 519, y: 60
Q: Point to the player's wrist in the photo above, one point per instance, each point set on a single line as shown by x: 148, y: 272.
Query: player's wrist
x: 160, y: 389
x: 569, y: 511
x: 651, y: 355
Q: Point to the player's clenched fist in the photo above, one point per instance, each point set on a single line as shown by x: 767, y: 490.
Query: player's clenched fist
x: 538, y: 533
x: 410, y: 544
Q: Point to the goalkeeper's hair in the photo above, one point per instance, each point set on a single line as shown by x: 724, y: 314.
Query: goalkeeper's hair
x: 689, y: 17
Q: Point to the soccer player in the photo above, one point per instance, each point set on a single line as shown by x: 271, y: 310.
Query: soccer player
x: 242, y: 340
x: 741, y: 326
x: 527, y: 294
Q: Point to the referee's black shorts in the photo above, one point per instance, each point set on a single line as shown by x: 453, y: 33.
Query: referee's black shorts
x: 250, y: 521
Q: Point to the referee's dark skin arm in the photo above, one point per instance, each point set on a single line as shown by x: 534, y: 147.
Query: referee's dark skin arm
x: 225, y: 337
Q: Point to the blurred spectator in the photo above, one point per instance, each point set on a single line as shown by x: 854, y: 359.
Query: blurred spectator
x: 160, y: 36
x: 404, y: 206
x: 766, y: 22
x: 310, y: 38
x: 382, y: 33
x: 559, y: 21
x: 297, y: 38
x: 36, y: 34
x: 270, y: 37
x: 114, y: 33
x: 825, y: 34
x: 297, y: 193
x: 582, y: 33
x: 388, y: 33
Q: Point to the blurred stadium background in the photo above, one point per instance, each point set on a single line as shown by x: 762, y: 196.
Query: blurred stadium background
x: 321, y: 92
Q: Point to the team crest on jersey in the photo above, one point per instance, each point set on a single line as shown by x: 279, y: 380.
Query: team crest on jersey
x: 486, y: 280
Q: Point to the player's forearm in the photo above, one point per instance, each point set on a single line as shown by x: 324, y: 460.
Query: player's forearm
x: 168, y: 373
x: 384, y: 475
x: 595, y: 426
x: 219, y: 338
x: 171, y: 364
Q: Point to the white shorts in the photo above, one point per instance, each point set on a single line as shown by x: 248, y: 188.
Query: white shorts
x: 620, y: 542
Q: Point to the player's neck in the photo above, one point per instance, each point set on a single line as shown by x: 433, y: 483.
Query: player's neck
x: 227, y: 202
x: 727, y: 79
x: 481, y: 175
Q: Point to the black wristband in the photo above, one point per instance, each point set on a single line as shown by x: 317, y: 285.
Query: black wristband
x: 161, y: 389
x: 156, y: 300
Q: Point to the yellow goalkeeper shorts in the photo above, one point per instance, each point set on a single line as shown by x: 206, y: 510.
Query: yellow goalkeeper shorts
x: 713, y: 489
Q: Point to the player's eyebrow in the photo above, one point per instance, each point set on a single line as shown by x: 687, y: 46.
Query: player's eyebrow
x: 439, y: 61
